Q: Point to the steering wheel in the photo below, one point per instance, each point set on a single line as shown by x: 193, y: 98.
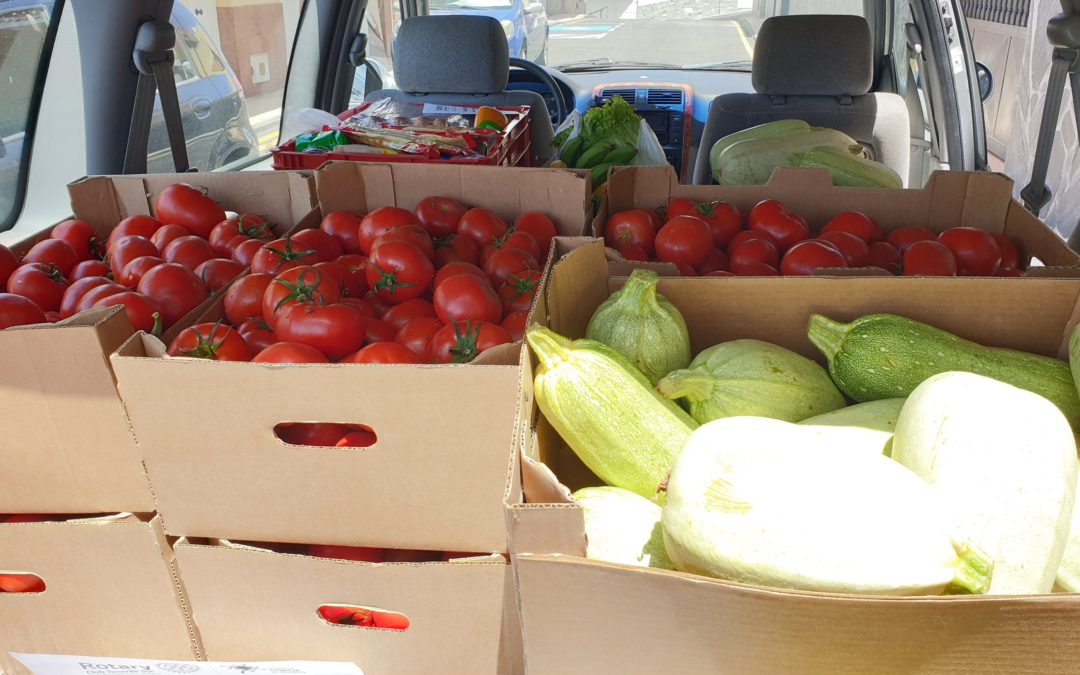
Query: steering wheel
x: 546, y: 79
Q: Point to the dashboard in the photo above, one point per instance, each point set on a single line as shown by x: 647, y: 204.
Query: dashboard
x: 675, y: 103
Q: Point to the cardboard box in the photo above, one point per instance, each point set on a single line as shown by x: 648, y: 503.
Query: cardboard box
x: 949, y: 199
x: 682, y: 623
x: 440, y: 471
x: 251, y: 603
x: 110, y: 588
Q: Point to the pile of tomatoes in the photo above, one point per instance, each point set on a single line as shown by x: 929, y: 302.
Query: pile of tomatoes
x: 714, y: 239
x: 440, y: 284
x: 157, y: 268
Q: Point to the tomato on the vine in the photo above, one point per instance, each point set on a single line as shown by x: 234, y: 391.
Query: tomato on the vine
x: 16, y: 310
x: 280, y: 255
x: 185, y: 205
x: 540, y: 227
x: 398, y: 271
x: 44, y: 284
x: 722, y: 218
x: 213, y: 341
x: 382, y: 352
x: 456, y: 248
x: 508, y: 262
x: 176, y: 288
x: 290, y: 352
x: 440, y: 215
x: 336, y: 330
x: 416, y: 336
x: 299, y: 285
x: 467, y: 298
x: 345, y: 227
x: 463, y: 342
x: 380, y: 221
x: 247, y: 226
x: 518, y: 291
x: 519, y: 240
x: 482, y: 226
x: 633, y: 227
x: 929, y: 258
x: 80, y: 236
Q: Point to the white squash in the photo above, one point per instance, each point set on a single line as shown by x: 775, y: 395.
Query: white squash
x: 1068, y: 574
x: 767, y: 502
x: 867, y: 425
x: 622, y: 527
x: 1002, y: 460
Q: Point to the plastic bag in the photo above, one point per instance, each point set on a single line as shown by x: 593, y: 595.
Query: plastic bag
x: 303, y: 120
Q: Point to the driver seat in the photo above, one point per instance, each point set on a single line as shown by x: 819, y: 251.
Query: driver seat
x: 462, y: 60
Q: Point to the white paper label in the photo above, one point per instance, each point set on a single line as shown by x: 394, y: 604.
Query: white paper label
x: 48, y: 664
x: 439, y: 109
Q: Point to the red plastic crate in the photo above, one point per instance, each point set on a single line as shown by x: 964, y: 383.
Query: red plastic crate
x: 514, y: 150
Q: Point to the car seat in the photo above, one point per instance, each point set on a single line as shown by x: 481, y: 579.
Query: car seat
x: 462, y: 59
x: 819, y: 69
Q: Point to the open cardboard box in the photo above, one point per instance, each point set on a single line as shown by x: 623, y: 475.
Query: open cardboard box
x: 574, y: 611
x: 949, y: 199
x: 251, y: 603
x: 441, y: 468
x: 110, y: 588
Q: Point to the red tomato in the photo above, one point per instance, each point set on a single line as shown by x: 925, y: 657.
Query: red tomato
x: 256, y: 334
x: 518, y: 291
x: 166, y: 234
x: 858, y: 224
x: 755, y: 269
x: 784, y: 227
x: 336, y: 330
x: 96, y: 293
x: 440, y: 215
x: 244, y: 299
x: 540, y: 227
x: 355, y: 282
x: 382, y: 220
x: 26, y: 583
x: 216, y: 273
x: 318, y: 434
x: 754, y: 250
x: 185, y: 205
x: 855, y: 250
x: 884, y: 255
x: 685, y: 270
x: 299, y: 285
x: 382, y: 352
x: 723, y: 273
x: 456, y: 248
x: 326, y: 247
x: 345, y: 227
x: 680, y: 206
x: 514, y: 325
x: 461, y: 343
x: 361, y: 438
x: 634, y: 252
x: 143, y: 226
x: 74, y: 293
x: 806, y: 256
x: 399, y: 315
x: 929, y: 258
x: 1010, y: 254
x: 716, y: 262
x: 456, y: 268
x: 189, y: 251
x: 519, y: 240
x: 482, y: 226
x: 684, y: 239
x: 176, y: 288
x: 245, y: 252
x: 335, y: 272
x: 54, y: 252
x: 1008, y: 272
x: 290, y: 352
x: 133, y: 272
x: 363, y: 305
x: 142, y: 311
x: 412, y: 234
x: 15, y: 310
x: 416, y: 336
x: 80, y: 236
x: 508, y: 262
x: 213, y: 341
x: 746, y: 235
x: 398, y: 271
x: 360, y: 553
x: 86, y: 269
x: 377, y: 304
x: 8, y: 262
x: 377, y: 330
x: 280, y: 255
x: 630, y: 227
x: 723, y: 218
x: 977, y: 254
x: 467, y: 298
x: 44, y: 284
x: 125, y: 249
x: 902, y: 237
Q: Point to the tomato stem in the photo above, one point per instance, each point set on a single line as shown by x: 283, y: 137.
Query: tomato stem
x: 388, y: 281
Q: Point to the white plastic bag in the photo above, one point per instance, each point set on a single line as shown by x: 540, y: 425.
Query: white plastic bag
x: 303, y: 120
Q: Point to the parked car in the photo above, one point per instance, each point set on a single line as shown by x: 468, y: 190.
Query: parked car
x: 525, y: 22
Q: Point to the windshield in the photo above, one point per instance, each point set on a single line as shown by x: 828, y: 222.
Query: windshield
x: 688, y: 34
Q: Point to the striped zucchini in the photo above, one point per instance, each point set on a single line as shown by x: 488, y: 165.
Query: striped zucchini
x: 886, y: 356
x: 768, y: 130
x: 847, y: 169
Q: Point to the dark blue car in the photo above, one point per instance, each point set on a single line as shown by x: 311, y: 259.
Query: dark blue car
x: 524, y: 22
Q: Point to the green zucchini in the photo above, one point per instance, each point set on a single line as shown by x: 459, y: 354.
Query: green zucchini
x: 886, y: 356
x: 607, y: 412
x: 621, y: 155
x: 768, y: 130
x: 752, y: 162
x: 593, y: 155
x: 572, y: 150
x: 848, y: 170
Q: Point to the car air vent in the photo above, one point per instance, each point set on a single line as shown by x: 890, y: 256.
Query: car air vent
x: 665, y: 97
x: 625, y: 94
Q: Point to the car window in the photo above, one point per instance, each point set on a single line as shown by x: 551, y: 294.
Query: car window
x: 381, y: 19
x: 24, y: 30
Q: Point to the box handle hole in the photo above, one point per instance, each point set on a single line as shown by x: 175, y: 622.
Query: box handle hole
x: 21, y: 582
x: 325, y: 434
x: 363, y: 617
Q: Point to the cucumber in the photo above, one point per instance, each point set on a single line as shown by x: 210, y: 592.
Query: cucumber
x: 593, y: 155
x: 767, y: 130
x: 572, y: 150
x: 886, y: 356
x: 621, y: 155
x: 849, y: 170
x: 599, y: 174
x: 752, y: 162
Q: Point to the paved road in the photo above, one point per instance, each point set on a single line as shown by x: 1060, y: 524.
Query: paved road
x: 678, y: 42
